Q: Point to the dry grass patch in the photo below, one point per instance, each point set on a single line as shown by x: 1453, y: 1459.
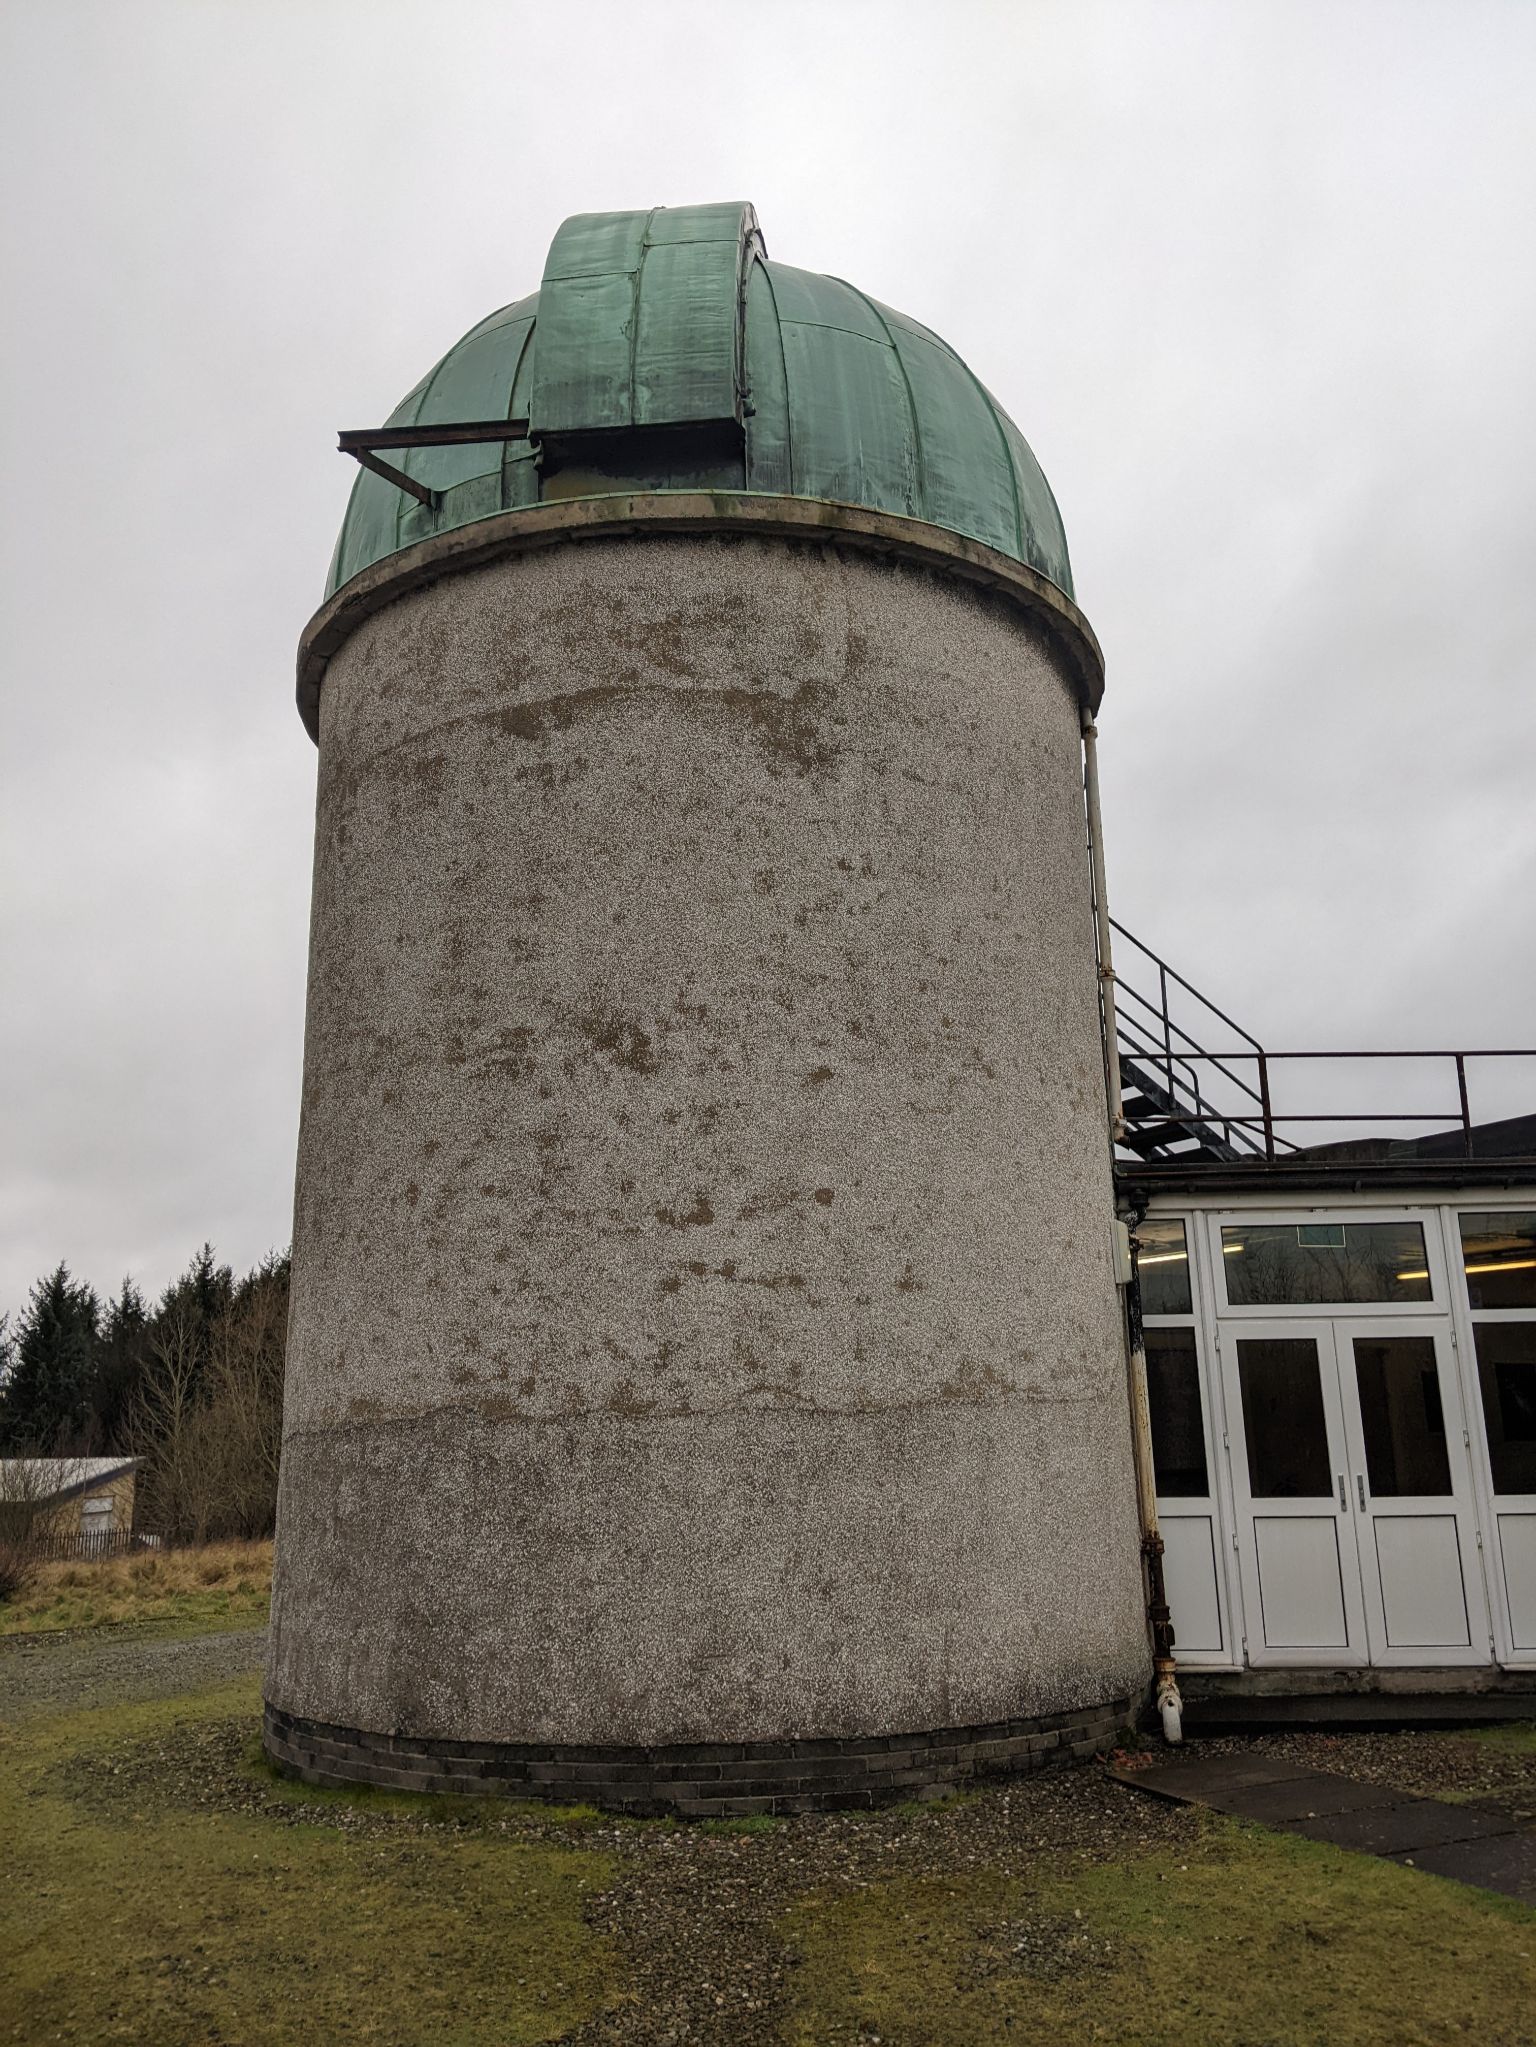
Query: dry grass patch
x: 222, y: 1585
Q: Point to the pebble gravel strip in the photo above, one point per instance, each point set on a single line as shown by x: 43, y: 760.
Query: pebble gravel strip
x: 74, y: 1670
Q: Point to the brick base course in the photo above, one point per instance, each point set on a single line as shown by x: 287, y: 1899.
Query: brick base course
x: 698, y: 1780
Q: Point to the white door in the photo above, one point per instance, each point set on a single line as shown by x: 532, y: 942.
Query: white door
x: 1296, y: 1521
x: 1411, y: 1490
x: 1350, y: 1478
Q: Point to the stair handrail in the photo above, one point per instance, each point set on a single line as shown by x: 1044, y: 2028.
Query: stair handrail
x: 1144, y: 1060
x: 1211, y: 1058
x: 1188, y: 986
x: 1167, y: 1054
x: 1144, y: 1071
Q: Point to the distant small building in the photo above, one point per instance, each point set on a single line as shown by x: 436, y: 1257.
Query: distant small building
x: 60, y: 1497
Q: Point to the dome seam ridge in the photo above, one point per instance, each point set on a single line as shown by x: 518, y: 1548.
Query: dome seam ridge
x: 919, y: 492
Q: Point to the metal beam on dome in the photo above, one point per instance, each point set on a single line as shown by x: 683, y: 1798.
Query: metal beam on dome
x: 363, y: 443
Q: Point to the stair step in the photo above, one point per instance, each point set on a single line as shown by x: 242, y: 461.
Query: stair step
x: 1149, y: 1143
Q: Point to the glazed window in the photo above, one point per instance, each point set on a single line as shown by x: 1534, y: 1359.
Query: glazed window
x: 1178, y: 1426
x: 1498, y: 1254
x: 1506, y: 1372
x: 1284, y: 1264
x: 1162, y: 1266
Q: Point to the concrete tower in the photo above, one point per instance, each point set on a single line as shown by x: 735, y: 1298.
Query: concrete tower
x: 706, y: 1379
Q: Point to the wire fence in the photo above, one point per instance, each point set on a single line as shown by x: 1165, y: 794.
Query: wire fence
x: 44, y: 1546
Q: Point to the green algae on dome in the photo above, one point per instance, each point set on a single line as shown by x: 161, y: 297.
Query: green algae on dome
x: 664, y: 351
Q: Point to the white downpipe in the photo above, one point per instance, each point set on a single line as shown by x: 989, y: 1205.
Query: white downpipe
x: 1101, y: 925
x: 1170, y: 1706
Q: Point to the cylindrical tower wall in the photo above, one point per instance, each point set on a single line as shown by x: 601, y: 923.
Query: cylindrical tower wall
x: 704, y: 1326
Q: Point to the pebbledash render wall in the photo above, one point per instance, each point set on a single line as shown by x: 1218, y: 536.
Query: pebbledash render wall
x: 705, y: 1357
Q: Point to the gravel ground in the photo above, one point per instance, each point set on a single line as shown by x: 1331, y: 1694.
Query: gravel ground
x: 696, y: 1917
x: 64, y: 1673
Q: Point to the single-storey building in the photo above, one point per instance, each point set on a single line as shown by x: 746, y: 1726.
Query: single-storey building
x: 58, y: 1498
x: 1340, y: 1345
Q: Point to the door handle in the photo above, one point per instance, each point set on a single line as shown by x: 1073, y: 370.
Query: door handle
x: 1360, y: 1482
x: 1343, y: 1496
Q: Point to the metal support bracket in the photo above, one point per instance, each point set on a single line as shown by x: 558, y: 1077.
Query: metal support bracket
x: 363, y: 445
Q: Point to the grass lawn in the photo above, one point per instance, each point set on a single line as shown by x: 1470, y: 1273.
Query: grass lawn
x: 1256, y: 1939
x: 1516, y: 1737
x: 162, y: 1886
x: 132, y: 1910
x: 187, y: 1591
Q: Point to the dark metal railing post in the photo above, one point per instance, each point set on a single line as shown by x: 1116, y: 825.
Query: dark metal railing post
x: 1466, y: 1111
x: 1162, y: 989
x: 1264, y: 1108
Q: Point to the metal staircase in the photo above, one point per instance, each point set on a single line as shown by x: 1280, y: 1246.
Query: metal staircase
x: 1160, y: 1126
x: 1184, y: 1104
x: 1181, y: 1101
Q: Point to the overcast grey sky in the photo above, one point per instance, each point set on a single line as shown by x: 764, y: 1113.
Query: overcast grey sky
x: 1257, y: 281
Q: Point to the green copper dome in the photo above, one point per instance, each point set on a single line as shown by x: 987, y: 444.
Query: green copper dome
x: 664, y: 352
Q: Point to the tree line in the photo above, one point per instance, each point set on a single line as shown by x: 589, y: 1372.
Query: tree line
x: 192, y: 1385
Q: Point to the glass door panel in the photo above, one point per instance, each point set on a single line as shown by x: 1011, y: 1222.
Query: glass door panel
x: 1411, y: 1494
x: 1296, y: 1535
x: 1416, y: 1540
x: 1402, y: 1417
x: 1284, y: 1424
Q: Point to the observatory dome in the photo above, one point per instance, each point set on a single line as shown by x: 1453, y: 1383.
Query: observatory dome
x: 706, y: 1377
x: 663, y: 351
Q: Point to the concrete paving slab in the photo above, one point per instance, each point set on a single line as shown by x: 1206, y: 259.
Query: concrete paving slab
x: 1501, y: 1862
x: 1474, y: 1843
x: 1313, y: 1798
x: 1401, y: 1829
x: 1209, y: 1780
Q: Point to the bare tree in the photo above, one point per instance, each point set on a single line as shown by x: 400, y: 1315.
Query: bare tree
x: 207, y: 1417
x: 243, y: 1418
x: 29, y: 1492
x: 163, y: 1424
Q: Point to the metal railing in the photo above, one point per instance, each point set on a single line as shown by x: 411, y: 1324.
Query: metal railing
x: 1153, y: 1041
x: 1220, y: 1104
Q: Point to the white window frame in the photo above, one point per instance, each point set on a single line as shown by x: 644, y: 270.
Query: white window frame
x: 1211, y: 1508
x: 1439, y: 1212
x: 1301, y: 1311
x: 1464, y: 1319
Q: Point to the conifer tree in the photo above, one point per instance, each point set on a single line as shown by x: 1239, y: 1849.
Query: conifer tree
x: 193, y: 1306
x: 45, y: 1404
x: 121, y: 1350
